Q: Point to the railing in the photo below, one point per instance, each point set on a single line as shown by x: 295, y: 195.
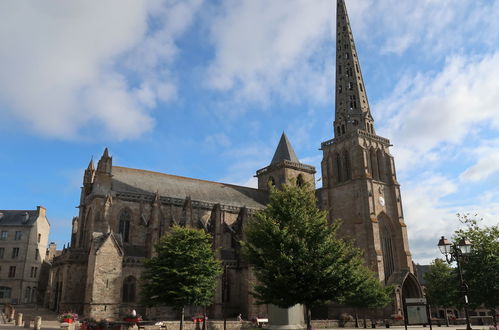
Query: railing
x: 287, y: 163
x: 357, y: 133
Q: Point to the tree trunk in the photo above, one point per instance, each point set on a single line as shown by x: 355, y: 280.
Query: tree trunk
x: 446, y: 317
x: 308, y: 315
x: 356, y: 318
x: 365, y: 320
x: 182, y: 319
x: 204, y: 318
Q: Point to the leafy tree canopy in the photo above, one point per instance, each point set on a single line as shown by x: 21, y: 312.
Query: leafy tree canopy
x: 184, y: 272
x: 296, y: 255
x: 442, y: 284
x: 480, y: 268
x: 370, y: 293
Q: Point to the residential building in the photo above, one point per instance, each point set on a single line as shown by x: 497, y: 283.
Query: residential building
x: 23, y: 241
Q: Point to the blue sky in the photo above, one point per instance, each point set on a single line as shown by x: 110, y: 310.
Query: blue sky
x: 205, y: 88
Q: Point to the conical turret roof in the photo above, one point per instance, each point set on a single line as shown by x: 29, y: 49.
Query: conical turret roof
x: 284, y: 151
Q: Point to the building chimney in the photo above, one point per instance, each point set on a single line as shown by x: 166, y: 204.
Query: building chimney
x: 42, y: 211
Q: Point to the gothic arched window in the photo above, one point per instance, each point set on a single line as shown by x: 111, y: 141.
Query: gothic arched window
x: 271, y: 181
x: 300, y: 181
x: 129, y: 286
x: 84, y: 228
x: 124, y: 224
x: 386, y: 247
x: 346, y: 165
x: 337, y: 165
x: 374, y: 165
x: 381, y: 165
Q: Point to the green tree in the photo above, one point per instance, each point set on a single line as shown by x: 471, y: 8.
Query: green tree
x: 480, y: 267
x: 295, y: 254
x: 184, y: 272
x: 369, y: 294
x: 441, y: 286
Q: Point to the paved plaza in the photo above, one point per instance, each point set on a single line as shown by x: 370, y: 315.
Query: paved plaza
x: 50, y: 322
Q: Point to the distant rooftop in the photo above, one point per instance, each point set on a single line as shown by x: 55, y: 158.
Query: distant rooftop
x: 18, y: 217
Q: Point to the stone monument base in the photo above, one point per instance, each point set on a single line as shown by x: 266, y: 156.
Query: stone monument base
x: 286, y: 318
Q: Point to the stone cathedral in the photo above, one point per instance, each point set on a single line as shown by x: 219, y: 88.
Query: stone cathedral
x: 124, y: 211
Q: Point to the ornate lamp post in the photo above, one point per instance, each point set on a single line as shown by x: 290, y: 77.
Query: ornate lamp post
x: 453, y: 252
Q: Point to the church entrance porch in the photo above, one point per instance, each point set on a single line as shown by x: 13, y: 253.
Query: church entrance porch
x: 406, y: 286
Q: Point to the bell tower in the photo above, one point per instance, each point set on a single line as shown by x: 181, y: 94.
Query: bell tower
x: 358, y: 172
x: 284, y: 168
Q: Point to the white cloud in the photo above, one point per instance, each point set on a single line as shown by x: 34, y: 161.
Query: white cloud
x: 217, y: 140
x: 486, y: 164
x: 432, y: 111
x: 435, y: 119
x: 58, y: 63
x: 264, y: 47
x: 435, y: 26
x: 429, y: 214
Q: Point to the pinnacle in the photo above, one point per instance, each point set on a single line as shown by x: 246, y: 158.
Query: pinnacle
x: 91, y: 164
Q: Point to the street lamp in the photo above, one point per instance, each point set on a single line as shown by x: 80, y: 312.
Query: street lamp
x: 455, y: 252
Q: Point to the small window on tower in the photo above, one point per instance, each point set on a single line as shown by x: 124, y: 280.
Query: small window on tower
x: 361, y: 89
x: 338, y: 130
x: 357, y: 67
x: 300, y: 181
x: 342, y: 129
x: 340, y: 88
x: 347, y: 56
x: 339, y: 69
x: 271, y: 181
x: 350, y: 85
x: 344, y: 28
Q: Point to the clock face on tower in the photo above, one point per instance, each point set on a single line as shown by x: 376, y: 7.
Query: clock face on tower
x: 381, y: 201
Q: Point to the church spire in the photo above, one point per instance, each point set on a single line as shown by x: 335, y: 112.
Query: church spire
x: 352, y: 107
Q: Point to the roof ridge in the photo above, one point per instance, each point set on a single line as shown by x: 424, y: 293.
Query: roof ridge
x: 184, y: 177
x: 18, y: 210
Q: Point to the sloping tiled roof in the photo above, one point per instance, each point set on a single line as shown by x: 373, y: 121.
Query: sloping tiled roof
x: 18, y: 217
x: 284, y: 151
x: 135, y: 251
x: 129, y: 180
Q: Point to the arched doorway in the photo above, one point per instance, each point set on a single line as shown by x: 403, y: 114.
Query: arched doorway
x: 406, y: 286
x: 411, y: 287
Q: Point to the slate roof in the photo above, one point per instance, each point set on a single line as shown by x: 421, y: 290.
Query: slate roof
x: 284, y: 151
x: 99, y: 240
x: 135, y: 251
x: 18, y: 217
x: 129, y: 180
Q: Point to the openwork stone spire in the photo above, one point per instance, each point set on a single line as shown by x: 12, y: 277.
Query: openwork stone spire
x: 352, y: 106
